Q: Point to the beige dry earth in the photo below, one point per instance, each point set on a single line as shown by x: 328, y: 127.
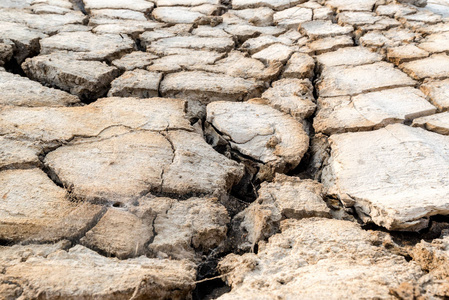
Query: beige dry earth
x: 224, y: 149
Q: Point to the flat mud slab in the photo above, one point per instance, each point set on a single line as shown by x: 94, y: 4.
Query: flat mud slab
x: 224, y: 149
x: 396, y: 159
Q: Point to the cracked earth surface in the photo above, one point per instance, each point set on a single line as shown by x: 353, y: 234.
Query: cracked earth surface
x: 224, y: 149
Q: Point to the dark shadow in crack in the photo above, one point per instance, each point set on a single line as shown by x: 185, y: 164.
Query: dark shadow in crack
x: 211, y: 286
x: 14, y: 67
x: 437, y: 226
x: 210, y: 289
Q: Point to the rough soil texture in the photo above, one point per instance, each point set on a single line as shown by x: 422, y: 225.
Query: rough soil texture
x: 224, y: 149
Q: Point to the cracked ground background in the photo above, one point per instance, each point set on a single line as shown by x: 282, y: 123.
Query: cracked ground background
x: 207, y: 149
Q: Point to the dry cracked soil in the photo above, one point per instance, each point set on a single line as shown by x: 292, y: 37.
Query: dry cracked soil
x: 224, y: 149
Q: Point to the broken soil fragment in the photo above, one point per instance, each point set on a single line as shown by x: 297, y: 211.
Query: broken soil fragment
x: 342, y: 81
x: 260, y: 132
x: 438, y: 123
x: 20, y: 91
x: 285, y: 198
x: 35, y: 209
x: 294, y: 262
x: 370, y: 110
x: 78, y: 267
x: 382, y: 178
x: 86, y: 79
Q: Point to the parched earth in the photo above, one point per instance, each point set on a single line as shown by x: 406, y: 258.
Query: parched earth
x: 224, y: 149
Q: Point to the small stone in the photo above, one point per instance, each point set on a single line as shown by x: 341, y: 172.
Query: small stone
x: 137, y: 83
